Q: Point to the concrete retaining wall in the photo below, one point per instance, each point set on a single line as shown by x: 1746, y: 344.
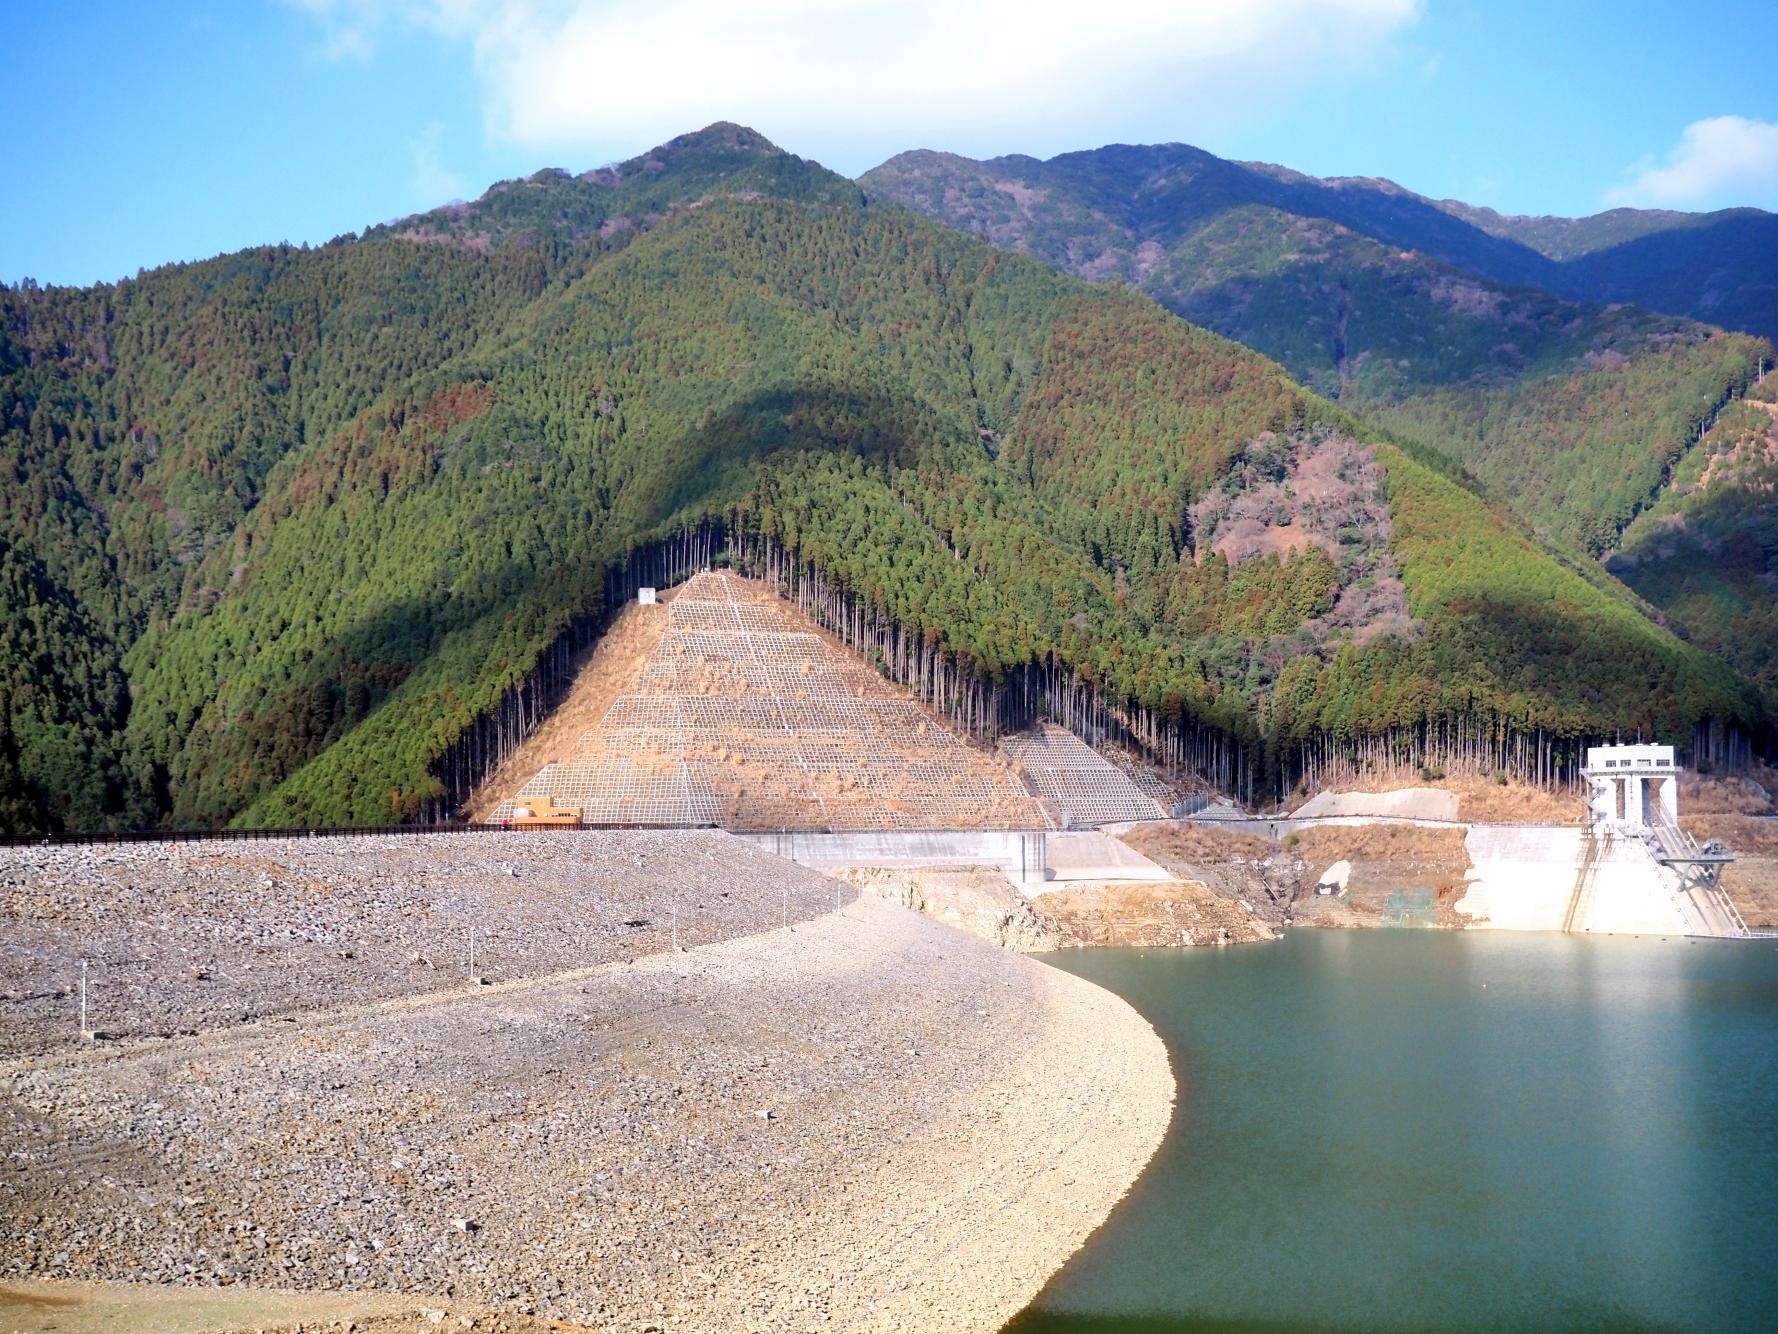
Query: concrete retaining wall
x: 1019, y: 853
x: 1090, y: 855
x: 1029, y: 858
x: 1526, y: 878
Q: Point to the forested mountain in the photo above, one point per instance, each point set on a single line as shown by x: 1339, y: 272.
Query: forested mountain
x: 1121, y: 207
x: 1719, y: 267
x: 280, y: 526
x: 1708, y: 549
x: 1575, y: 414
x: 142, y: 422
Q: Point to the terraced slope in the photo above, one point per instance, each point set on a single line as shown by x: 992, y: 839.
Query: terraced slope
x: 1077, y: 783
x: 743, y: 715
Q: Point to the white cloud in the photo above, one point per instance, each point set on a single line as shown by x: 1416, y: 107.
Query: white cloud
x: 434, y: 183
x: 346, y: 26
x: 951, y: 73
x: 1722, y: 160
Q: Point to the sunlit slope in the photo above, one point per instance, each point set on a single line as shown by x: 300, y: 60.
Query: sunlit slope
x: 1398, y: 308
x: 1019, y: 467
x: 139, y: 424
x: 1708, y: 549
x: 999, y: 458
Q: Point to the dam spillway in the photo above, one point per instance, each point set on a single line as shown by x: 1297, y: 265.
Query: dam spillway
x: 1543, y: 879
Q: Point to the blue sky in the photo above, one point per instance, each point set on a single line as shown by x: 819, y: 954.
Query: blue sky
x: 152, y: 133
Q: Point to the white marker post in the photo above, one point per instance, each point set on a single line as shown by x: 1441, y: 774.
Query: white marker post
x: 84, y: 1030
x: 675, y: 928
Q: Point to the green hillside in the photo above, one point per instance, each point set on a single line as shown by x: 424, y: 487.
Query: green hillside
x: 1583, y: 450
x: 322, y: 508
x: 1371, y: 296
x: 1708, y: 549
x: 143, y: 421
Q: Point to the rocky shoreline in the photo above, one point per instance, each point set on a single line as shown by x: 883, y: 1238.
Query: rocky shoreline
x: 862, y: 1120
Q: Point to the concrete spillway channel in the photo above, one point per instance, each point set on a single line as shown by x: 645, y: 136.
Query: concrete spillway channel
x: 1585, y: 877
x: 1581, y: 881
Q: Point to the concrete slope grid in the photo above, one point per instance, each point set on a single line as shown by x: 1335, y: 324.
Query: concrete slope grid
x: 742, y: 713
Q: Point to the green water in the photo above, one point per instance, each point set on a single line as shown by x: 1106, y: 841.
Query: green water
x: 1392, y: 1130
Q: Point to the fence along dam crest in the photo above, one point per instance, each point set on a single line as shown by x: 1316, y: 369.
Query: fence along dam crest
x: 1182, y: 748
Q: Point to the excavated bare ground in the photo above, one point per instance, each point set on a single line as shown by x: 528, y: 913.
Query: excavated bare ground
x: 1279, y: 880
x: 1710, y: 795
x: 1240, y: 867
x: 866, y: 1121
x: 1748, y: 836
x: 1171, y: 842
x: 1149, y: 914
x: 1752, y: 882
x: 977, y: 899
x: 1385, y: 860
x: 1740, y: 813
x: 609, y: 670
x: 1490, y: 802
x: 1436, y: 853
x: 1481, y: 799
x: 745, y: 713
x: 188, y: 936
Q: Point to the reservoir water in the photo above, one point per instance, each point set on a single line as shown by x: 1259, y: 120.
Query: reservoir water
x: 1394, y: 1130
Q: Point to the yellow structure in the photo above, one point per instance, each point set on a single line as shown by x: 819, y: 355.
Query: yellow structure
x: 535, y: 813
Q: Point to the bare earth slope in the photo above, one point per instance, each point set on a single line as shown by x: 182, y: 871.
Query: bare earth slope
x: 866, y: 1121
x: 615, y: 662
x: 742, y: 713
x: 1742, y: 814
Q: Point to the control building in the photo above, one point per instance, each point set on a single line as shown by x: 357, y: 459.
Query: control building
x: 1632, y: 788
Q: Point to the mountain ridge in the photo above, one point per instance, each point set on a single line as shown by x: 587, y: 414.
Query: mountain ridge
x: 1371, y: 295
x: 325, y: 545
x: 721, y: 160
x: 1569, y: 257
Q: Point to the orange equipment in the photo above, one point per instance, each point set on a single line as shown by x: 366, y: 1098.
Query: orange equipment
x: 532, y: 814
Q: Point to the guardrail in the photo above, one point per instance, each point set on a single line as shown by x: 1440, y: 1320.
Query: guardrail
x: 73, y: 838
x: 1734, y: 913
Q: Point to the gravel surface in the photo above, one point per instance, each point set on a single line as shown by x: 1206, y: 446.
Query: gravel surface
x: 68, y: 1306
x: 181, y: 937
x: 867, y: 1120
